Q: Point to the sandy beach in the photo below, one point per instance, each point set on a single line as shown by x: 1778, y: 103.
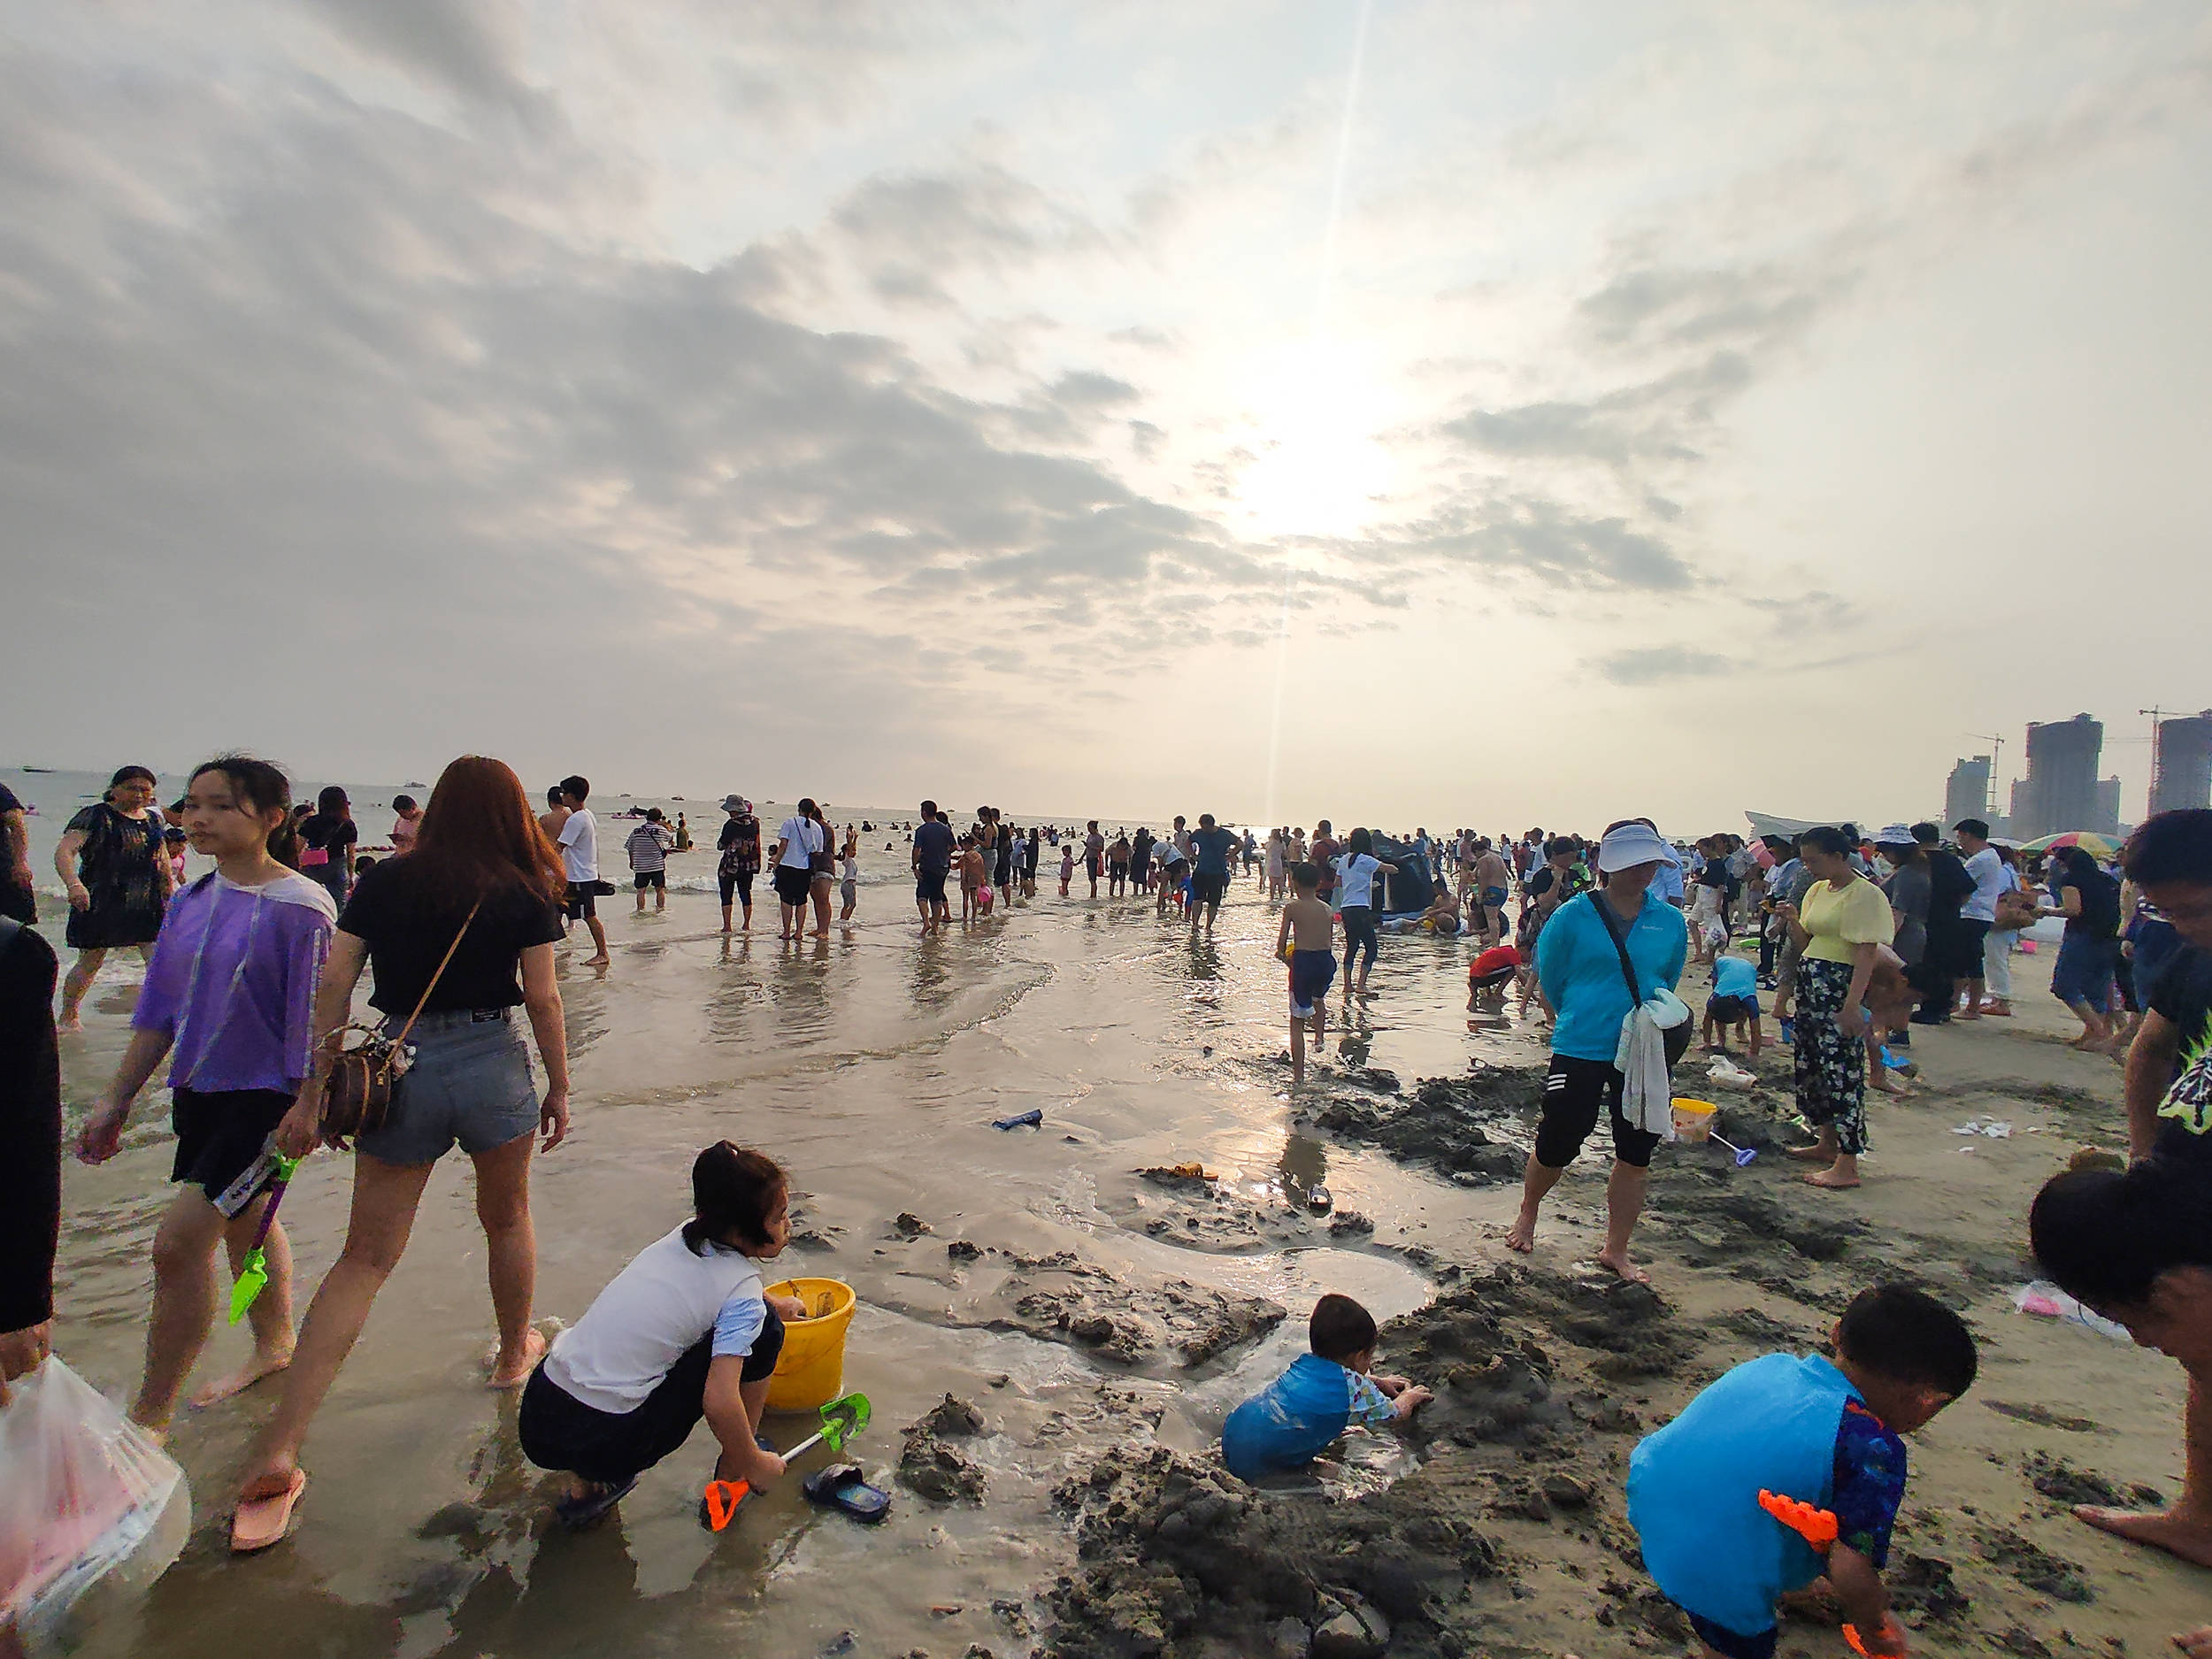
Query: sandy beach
x: 1100, y: 1321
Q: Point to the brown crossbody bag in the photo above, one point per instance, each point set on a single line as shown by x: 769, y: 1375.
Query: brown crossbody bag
x: 358, y: 1089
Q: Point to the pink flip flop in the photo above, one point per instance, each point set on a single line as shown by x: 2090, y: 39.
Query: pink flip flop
x: 257, y: 1524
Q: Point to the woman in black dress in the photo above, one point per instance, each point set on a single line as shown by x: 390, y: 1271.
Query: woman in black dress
x: 111, y: 861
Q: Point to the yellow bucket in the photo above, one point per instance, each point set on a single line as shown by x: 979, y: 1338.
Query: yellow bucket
x: 811, y: 1371
x: 1694, y: 1118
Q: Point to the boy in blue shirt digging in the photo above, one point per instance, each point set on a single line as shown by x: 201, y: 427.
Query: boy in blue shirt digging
x: 1295, y: 1417
x: 1734, y: 1005
x: 1790, y: 1468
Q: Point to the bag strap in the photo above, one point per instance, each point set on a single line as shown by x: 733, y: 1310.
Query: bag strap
x: 423, y: 1001
x: 1628, y: 968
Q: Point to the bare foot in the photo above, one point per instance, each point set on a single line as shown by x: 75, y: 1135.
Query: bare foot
x: 513, y: 1376
x: 1885, y: 1085
x: 1808, y: 1154
x: 69, y: 1022
x: 1832, y: 1180
x: 1621, y: 1266
x: 1522, y: 1236
x: 597, y: 962
x: 2184, y: 1536
x: 2196, y: 1643
x: 244, y: 1377
x: 1997, y: 1010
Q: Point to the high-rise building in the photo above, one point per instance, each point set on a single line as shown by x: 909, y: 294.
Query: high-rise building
x: 2062, y: 781
x: 1967, y: 794
x: 2018, y: 814
x: 2108, y: 819
x: 2181, y: 763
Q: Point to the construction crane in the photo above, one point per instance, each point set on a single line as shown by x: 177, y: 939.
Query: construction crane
x: 1996, y: 751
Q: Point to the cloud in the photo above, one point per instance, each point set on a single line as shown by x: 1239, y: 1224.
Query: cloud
x: 1656, y: 665
x: 1551, y: 545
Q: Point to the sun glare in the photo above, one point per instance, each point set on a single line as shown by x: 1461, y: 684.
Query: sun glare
x: 1314, y: 408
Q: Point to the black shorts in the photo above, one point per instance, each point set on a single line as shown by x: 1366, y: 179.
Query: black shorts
x: 1731, y: 1644
x: 1575, y: 1093
x: 583, y: 900
x: 560, y: 1432
x: 794, y: 882
x: 644, y: 878
x: 929, y: 887
x: 738, y: 884
x: 1090, y: 866
x: 1208, y: 890
x: 1491, y: 980
x: 219, y: 1133
x: 1729, y: 1010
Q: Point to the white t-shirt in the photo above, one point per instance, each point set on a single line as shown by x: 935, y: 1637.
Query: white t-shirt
x: 1355, y: 879
x: 1988, y: 872
x: 802, y: 839
x: 638, y: 1328
x: 579, y: 846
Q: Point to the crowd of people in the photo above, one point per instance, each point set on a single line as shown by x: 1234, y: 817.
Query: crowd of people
x: 252, y: 970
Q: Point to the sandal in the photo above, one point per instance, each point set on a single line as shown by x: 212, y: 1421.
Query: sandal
x: 576, y: 1514
x: 259, y: 1524
x: 840, y: 1487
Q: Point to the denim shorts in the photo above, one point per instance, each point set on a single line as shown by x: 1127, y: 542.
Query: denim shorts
x: 2083, y: 971
x: 470, y: 1084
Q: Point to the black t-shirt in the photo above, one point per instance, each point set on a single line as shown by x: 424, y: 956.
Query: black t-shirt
x: 1948, y: 886
x: 407, y: 936
x: 2183, y: 995
x: 2099, y: 916
x: 933, y: 846
x: 332, y: 835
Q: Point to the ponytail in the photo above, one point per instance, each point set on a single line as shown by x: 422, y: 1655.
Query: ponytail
x: 264, y: 788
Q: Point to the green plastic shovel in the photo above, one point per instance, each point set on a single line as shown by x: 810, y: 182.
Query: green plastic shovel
x: 253, y: 1275
x: 841, y: 1418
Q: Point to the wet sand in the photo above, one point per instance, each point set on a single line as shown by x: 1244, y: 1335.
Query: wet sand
x: 1100, y: 1321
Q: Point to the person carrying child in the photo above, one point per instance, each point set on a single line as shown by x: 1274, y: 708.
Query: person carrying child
x: 1306, y: 939
x: 1734, y: 1005
x: 1791, y: 1467
x: 684, y: 1331
x: 1301, y: 1414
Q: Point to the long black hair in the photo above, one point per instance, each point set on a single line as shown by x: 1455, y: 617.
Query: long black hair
x: 261, y: 786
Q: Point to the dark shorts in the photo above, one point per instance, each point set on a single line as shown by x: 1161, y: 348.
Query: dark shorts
x: 583, y: 900
x: 1208, y: 890
x: 19, y: 902
x: 1090, y: 866
x: 739, y: 886
x: 1576, y: 1094
x: 1312, y: 973
x: 1491, y: 980
x: 1494, y: 898
x: 794, y: 882
x: 1359, y: 932
x: 560, y: 1432
x: 1729, y: 1010
x: 929, y: 887
x: 219, y: 1133
x: 644, y: 878
x: 2084, y: 971
x: 1734, y: 1644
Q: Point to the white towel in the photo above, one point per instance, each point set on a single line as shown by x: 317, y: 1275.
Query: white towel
x: 1648, y: 1100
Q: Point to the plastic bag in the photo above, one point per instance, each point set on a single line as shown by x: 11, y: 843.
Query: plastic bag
x: 90, y: 1509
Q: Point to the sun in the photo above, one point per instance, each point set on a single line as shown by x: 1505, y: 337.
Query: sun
x: 1313, y: 406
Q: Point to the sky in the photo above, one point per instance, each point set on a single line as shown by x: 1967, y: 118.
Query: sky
x: 1439, y: 412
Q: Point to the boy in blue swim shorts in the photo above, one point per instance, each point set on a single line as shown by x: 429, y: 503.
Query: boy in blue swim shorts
x: 1791, y: 1467
x: 1294, y: 1419
x: 1306, y: 940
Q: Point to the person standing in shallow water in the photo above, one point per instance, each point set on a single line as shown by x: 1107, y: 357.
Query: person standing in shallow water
x: 229, y: 999
x: 1578, y: 965
x: 112, y: 863
x: 738, y: 848
x: 462, y: 928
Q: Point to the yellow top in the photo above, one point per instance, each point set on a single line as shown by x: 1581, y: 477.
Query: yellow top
x: 1842, y: 918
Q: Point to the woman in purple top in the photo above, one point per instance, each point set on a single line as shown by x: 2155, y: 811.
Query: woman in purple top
x: 230, y: 999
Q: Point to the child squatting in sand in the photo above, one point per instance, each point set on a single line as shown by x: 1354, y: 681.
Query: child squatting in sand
x: 1295, y: 1417
x: 1791, y: 1467
x: 683, y: 1332
x: 1312, y: 963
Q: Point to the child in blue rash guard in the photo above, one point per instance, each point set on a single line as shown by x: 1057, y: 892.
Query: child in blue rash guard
x: 1292, y: 1420
x: 1823, y: 1436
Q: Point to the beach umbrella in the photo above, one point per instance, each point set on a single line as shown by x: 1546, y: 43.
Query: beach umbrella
x: 2102, y: 848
